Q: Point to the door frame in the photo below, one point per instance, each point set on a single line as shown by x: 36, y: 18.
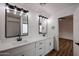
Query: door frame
x: 59, y: 26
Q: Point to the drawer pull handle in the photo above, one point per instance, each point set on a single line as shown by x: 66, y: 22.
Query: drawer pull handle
x: 40, y: 48
x: 40, y: 43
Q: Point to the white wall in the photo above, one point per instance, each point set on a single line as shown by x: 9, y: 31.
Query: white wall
x: 76, y: 32
x: 66, y: 28
x: 33, y: 26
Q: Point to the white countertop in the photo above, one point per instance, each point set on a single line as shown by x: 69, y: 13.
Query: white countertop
x: 10, y: 45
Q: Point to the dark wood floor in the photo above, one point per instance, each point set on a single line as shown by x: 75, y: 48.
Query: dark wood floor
x: 65, y: 48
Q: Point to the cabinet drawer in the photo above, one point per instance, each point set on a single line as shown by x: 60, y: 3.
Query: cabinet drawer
x: 40, y: 50
x: 40, y: 46
x: 40, y: 43
x: 30, y: 52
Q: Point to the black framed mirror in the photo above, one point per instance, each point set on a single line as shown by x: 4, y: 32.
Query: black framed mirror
x: 16, y: 21
x: 42, y: 25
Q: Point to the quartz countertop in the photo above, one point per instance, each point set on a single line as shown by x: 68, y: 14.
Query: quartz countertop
x: 15, y: 44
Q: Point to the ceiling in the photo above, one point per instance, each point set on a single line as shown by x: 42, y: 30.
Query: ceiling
x: 48, y: 8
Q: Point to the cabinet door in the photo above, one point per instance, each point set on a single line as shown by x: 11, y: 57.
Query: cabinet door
x: 46, y: 46
x: 51, y: 44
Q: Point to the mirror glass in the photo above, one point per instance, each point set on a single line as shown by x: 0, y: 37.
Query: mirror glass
x: 24, y: 25
x: 15, y: 24
x: 42, y: 25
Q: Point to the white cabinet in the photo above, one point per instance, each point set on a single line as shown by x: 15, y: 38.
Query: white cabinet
x: 49, y: 45
x: 46, y: 46
x: 43, y: 47
x: 40, y: 48
x: 20, y: 51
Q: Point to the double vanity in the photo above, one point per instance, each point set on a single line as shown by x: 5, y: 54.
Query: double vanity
x: 27, y: 48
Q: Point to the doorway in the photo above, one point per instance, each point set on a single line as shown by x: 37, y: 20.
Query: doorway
x: 66, y: 35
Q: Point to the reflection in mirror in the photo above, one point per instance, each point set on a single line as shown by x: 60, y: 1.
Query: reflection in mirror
x: 24, y: 25
x: 12, y: 24
x: 42, y: 25
x: 16, y: 24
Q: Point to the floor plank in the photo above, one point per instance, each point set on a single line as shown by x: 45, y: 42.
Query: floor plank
x: 65, y: 48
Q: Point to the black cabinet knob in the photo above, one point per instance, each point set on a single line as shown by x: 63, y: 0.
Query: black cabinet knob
x: 40, y: 48
x: 40, y: 43
x: 50, y: 43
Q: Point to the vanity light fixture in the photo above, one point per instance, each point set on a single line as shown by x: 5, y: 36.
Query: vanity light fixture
x: 16, y: 9
x: 9, y: 7
x: 43, y: 16
x: 25, y: 12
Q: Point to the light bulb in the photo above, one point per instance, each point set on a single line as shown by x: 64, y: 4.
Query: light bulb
x: 49, y: 21
x: 26, y: 14
x: 8, y: 11
x: 7, y: 8
x: 21, y: 13
x: 15, y: 11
